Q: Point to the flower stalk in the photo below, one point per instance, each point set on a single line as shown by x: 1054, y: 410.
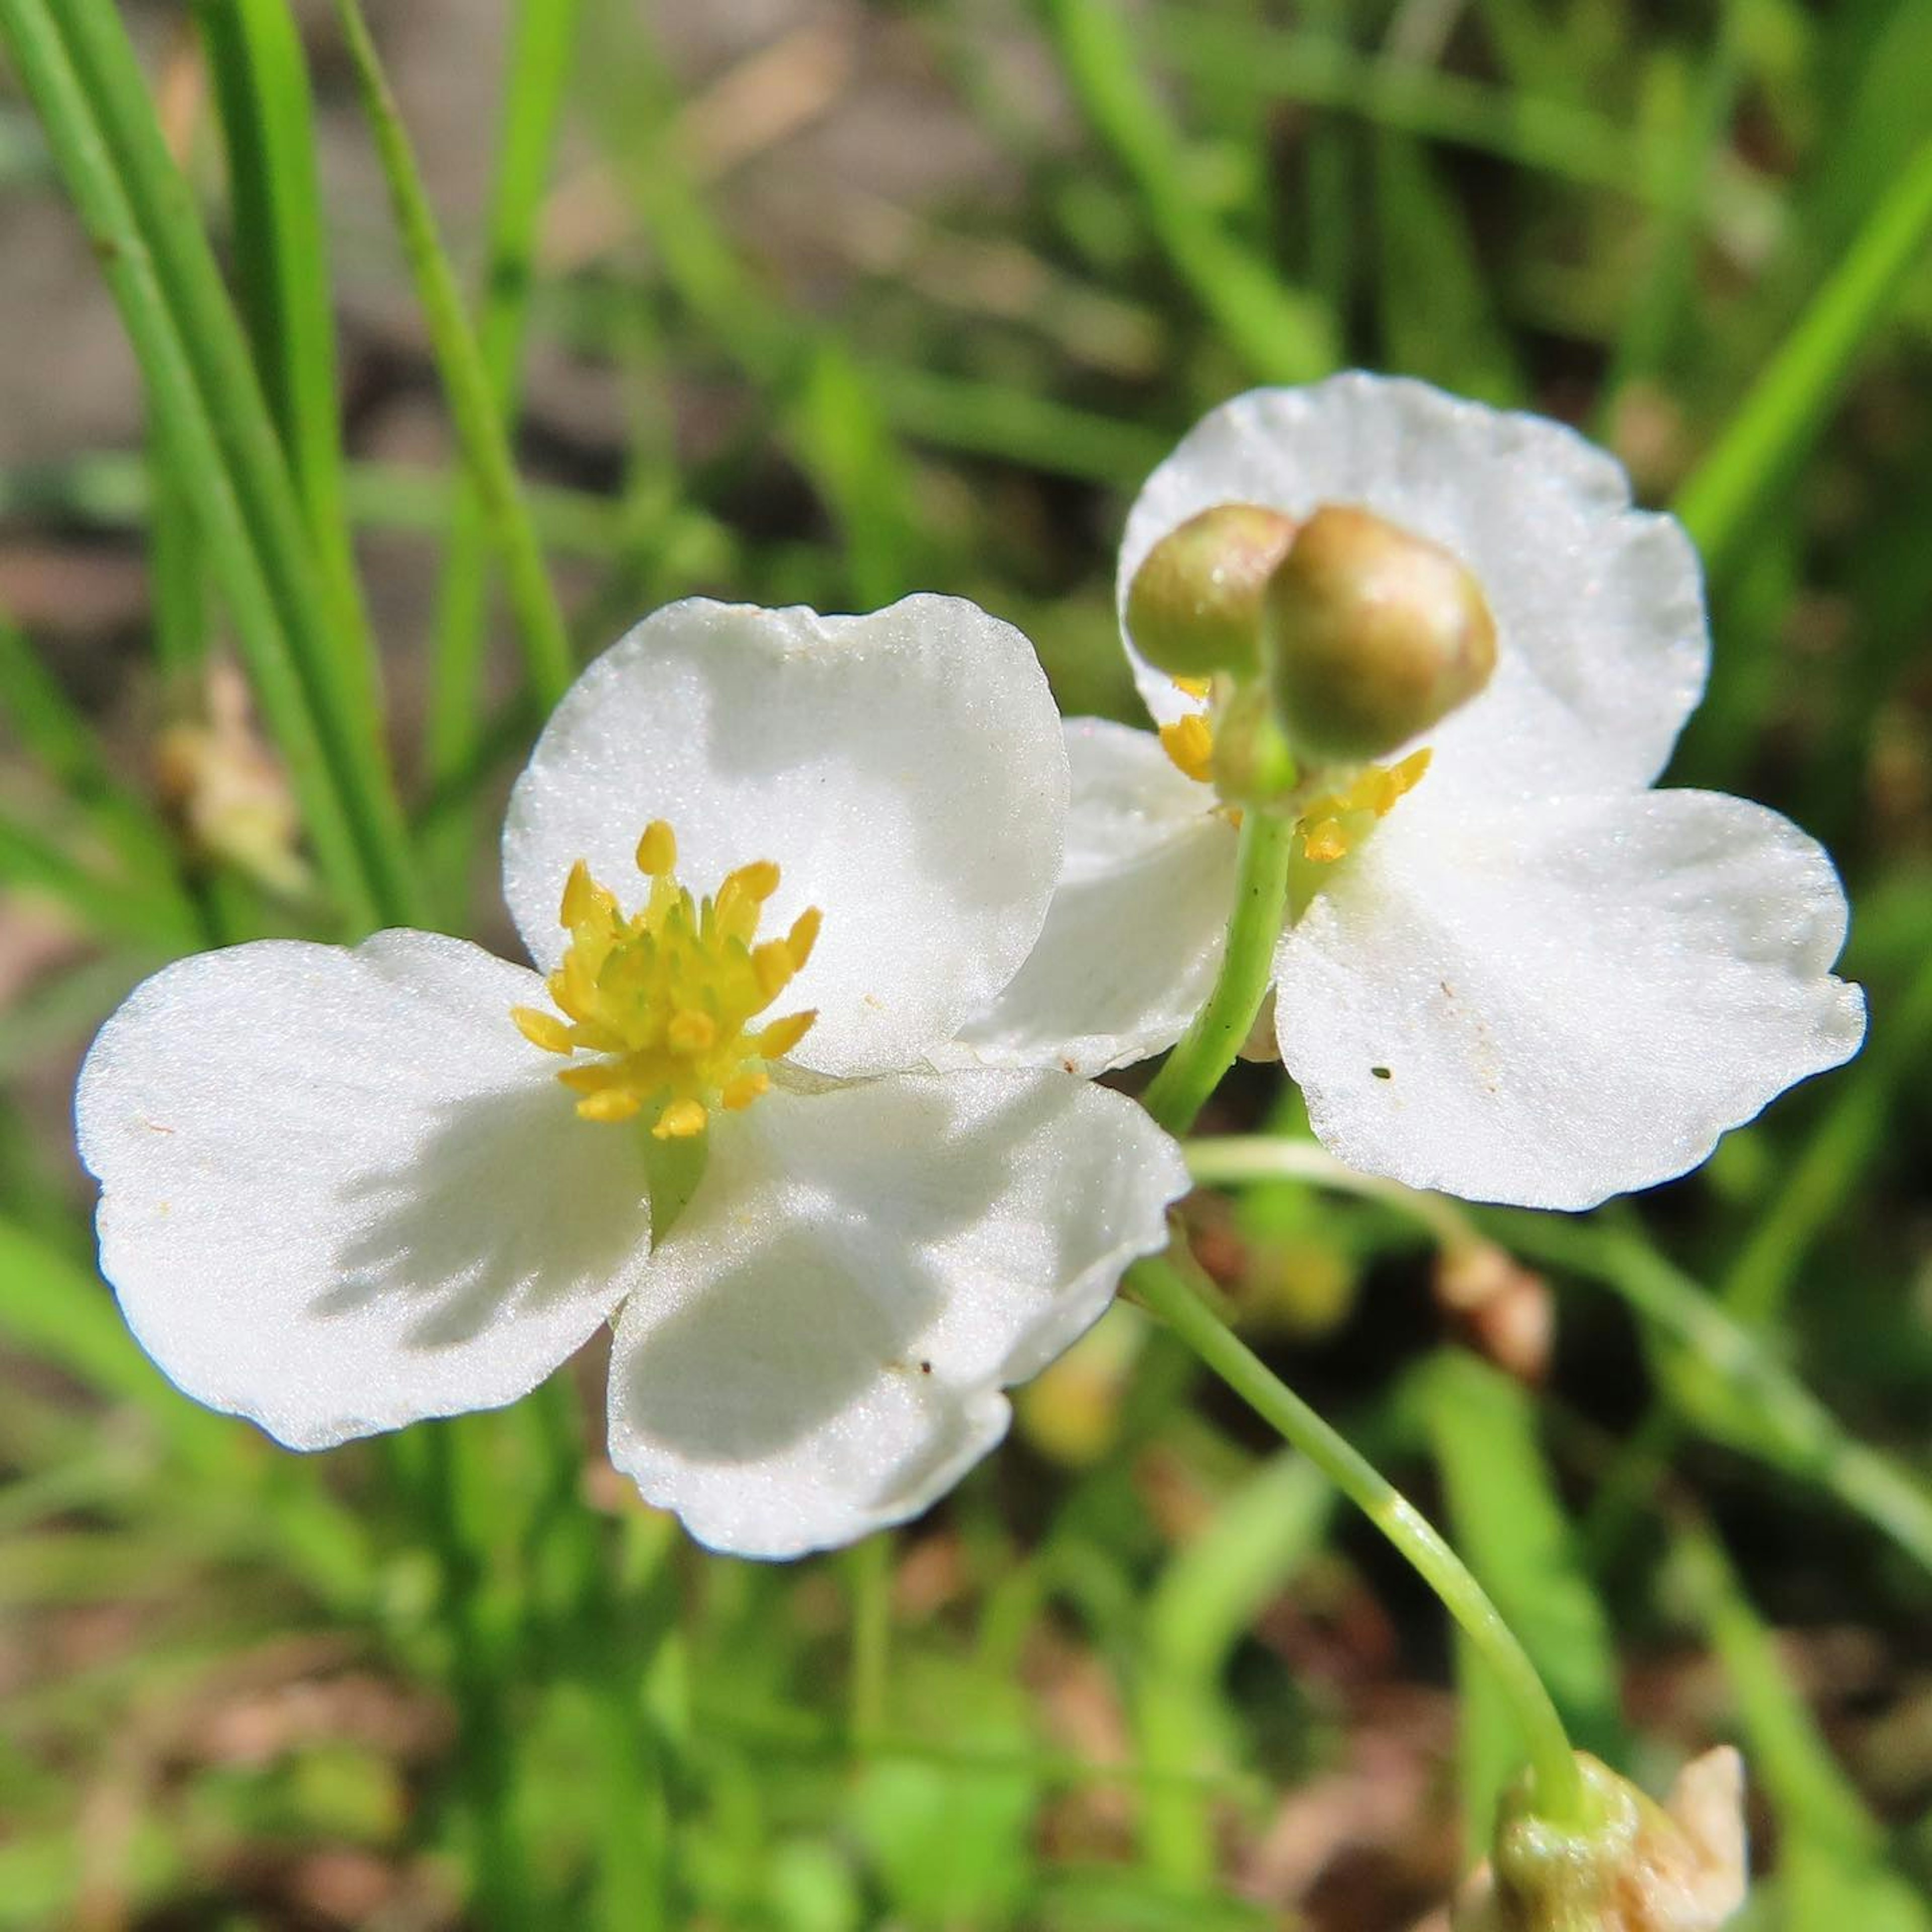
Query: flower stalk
x: 1178, y: 1092
x: 1556, y: 1790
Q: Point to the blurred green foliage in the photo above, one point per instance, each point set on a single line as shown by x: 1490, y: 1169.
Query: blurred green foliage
x: 1139, y: 1673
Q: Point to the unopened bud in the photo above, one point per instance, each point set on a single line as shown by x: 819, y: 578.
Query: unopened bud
x: 1637, y: 1867
x: 1194, y: 605
x: 1373, y: 636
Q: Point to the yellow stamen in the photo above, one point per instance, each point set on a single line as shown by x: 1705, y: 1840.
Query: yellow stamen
x: 663, y: 1002
x: 1189, y: 742
x: 741, y: 1092
x: 692, y: 1033
x: 1334, y: 824
x: 779, y: 1038
x: 584, y: 899
x: 543, y: 1029
x: 803, y: 936
x: 1194, y: 687
x: 657, y: 850
x: 680, y: 1121
x: 613, y: 1103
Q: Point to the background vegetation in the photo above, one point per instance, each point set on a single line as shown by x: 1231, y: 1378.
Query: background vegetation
x: 826, y: 303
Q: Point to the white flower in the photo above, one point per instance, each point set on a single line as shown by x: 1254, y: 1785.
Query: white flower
x: 342, y: 1190
x: 1517, y: 972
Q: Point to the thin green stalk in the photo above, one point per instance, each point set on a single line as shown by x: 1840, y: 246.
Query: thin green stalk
x: 1788, y: 1425
x: 1192, y: 1071
x: 1283, y: 335
x: 76, y: 64
x: 466, y: 376
x: 1794, y: 1431
x: 868, y: 1571
x: 1559, y: 1794
x: 1775, y: 423
x: 1241, y: 1160
x: 542, y: 41
x: 281, y: 271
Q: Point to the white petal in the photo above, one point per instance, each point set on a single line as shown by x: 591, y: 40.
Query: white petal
x: 340, y: 1192
x: 1137, y: 926
x: 1602, y: 641
x: 905, y: 770
x: 1568, y: 1003
x: 819, y: 1346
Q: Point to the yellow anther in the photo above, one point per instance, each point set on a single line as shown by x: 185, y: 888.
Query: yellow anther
x: 692, y: 1033
x: 803, y: 936
x: 739, y: 1093
x: 779, y: 1038
x: 1194, y: 687
x: 772, y: 963
x: 657, y: 850
x: 584, y: 900
x: 1325, y: 843
x: 758, y: 881
x: 1334, y: 825
x: 1189, y: 742
x: 662, y: 1003
x: 680, y: 1121
x: 543, y: 1029
x: 610, y: 1103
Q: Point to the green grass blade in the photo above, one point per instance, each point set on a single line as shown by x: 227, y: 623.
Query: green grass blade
x: 1742, y: 1394
x: 1282, y: 335
x: 1208, y: 1595
x: 466, y: 376
x: 53, y: 732
x: 281, y: 269
x: 1833, y: 1868
x: 543, y: 39
x: 80, y: 70
x: 1777, y: 420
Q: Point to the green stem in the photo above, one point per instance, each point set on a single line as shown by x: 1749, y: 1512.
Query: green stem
x: 869, y: 1579
x: 467, y: 386
x: 1558, y: 1793
x: 1180, y: 1090
x: 1239, y: 1159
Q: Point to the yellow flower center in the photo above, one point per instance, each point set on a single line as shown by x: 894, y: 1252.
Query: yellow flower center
x: 662, y: 1001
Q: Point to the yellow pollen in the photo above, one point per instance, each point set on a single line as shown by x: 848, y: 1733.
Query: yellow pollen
x: 659, y: 1008
x: 1189, y: 742
x: 1334, y: 824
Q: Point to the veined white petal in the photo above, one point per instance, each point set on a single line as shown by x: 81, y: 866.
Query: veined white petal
x: 903, y: 770
x: 1137, y: 927
x: 1602, y: 641
x: 340, y: 1192
x: 818, y: 1348
x: 1563, y: 1003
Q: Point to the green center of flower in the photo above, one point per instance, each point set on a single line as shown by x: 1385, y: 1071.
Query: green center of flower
x: 661, y: 1003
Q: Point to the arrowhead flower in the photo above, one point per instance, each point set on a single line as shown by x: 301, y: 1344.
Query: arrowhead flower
x: 1509, y: 969
x: 345, y: 1189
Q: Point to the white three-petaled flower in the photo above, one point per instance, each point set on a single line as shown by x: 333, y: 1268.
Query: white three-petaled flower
x: 343, y: 1189
x: 1533, y: 979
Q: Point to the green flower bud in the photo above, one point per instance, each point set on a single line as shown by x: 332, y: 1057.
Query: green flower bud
x: 1194, y: 608
x: 1372, y: 636
x: 1637, y: 1867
